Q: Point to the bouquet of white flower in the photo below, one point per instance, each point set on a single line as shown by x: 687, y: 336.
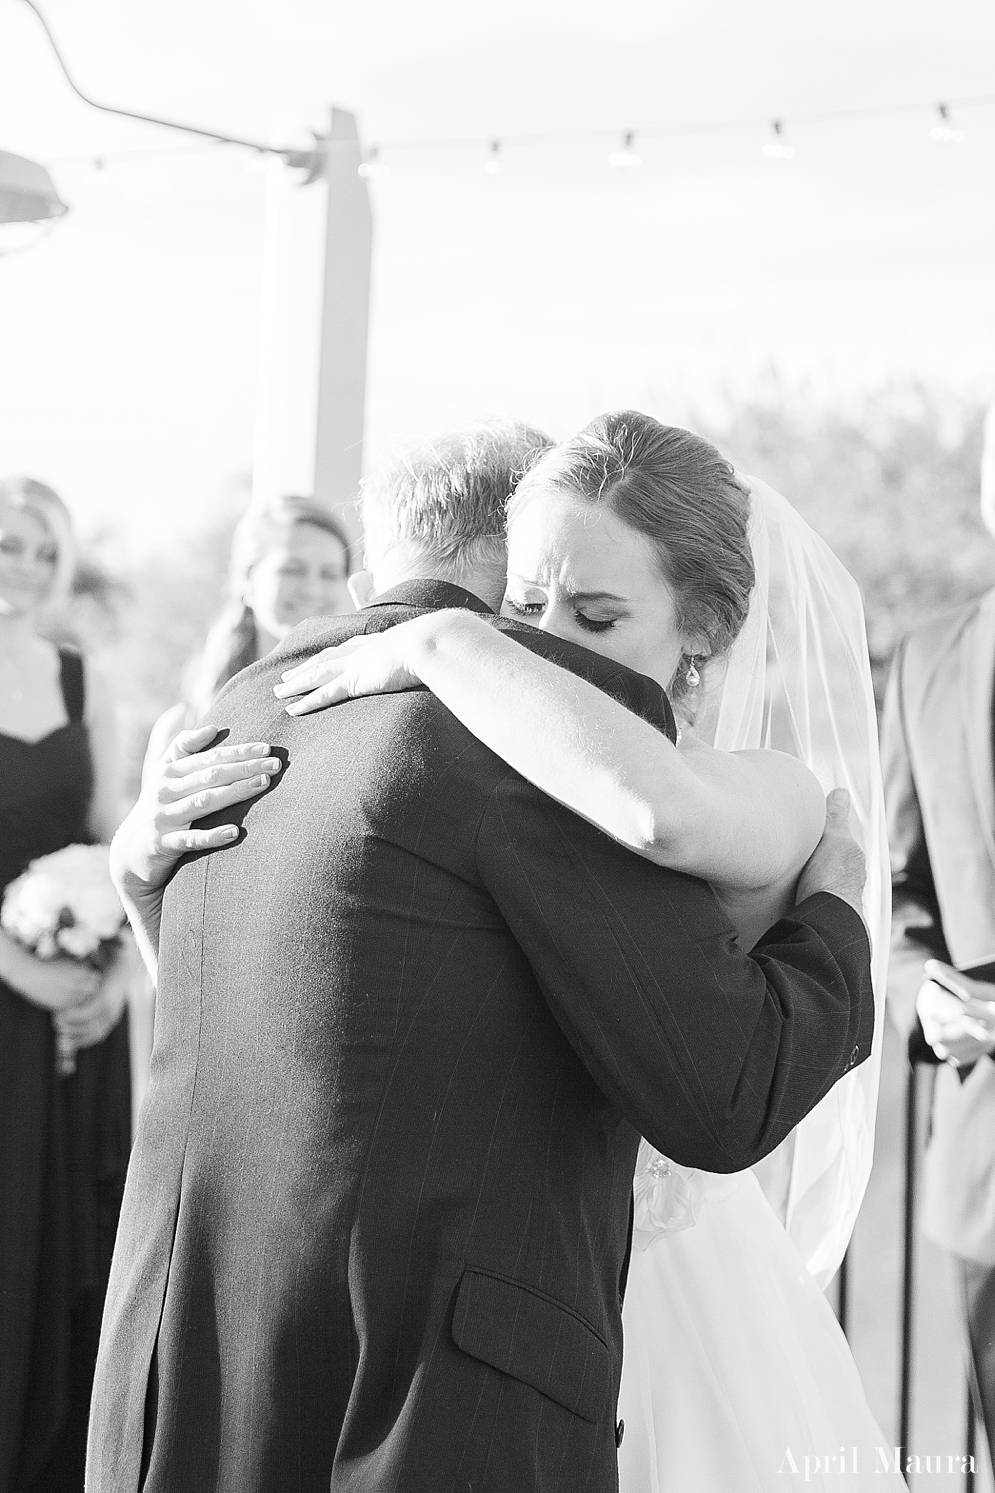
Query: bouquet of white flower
x: 65, y: 904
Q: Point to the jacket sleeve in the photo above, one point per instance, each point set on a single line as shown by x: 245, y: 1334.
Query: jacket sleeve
x: 917, y: 930
x: 712, y: 1054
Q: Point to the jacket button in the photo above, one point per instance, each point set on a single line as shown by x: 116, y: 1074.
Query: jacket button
x: 619, y: 1433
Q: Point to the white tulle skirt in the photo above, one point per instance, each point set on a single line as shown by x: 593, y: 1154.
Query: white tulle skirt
x: 736, y: 1376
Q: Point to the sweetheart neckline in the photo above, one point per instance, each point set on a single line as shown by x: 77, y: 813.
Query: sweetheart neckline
x: 36, y: 740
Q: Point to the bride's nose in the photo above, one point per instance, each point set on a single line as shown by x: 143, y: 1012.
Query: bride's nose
x: 558, y: 621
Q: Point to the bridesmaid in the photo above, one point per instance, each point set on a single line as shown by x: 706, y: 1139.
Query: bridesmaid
x: 289, y: 561
x: 64, y: 1140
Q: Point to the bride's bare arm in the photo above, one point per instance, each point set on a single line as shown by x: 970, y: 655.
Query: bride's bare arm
x: 742, y: 820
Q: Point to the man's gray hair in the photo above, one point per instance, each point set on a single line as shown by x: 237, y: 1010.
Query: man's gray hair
x: 447, y: 498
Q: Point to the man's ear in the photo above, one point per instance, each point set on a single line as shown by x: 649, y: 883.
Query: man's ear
x: 361, y: 588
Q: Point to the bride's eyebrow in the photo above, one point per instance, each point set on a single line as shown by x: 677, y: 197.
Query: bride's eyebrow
x: 598, y: 596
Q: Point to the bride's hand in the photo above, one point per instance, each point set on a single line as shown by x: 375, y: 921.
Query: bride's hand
x: 186, y: 784
x: 374, y: 664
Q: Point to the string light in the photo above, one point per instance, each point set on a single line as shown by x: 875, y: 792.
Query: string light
x: 626, y: 158
x: 777, y: 149
x: 945, y: 133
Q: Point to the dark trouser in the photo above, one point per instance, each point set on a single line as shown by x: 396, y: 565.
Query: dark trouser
x: 976, y: 1284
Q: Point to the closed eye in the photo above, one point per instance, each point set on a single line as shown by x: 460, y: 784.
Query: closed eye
x: 594, y: 624
x: 526, y: 608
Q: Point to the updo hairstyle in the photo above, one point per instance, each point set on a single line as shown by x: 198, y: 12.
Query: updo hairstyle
x: 682, y: 494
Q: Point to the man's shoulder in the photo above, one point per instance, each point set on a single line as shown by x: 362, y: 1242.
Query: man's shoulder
x: 637, y: 692
x: 301, y: 643
x: 937, y: 634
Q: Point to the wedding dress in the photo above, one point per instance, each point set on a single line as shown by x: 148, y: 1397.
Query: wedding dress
x: 736, y: 1376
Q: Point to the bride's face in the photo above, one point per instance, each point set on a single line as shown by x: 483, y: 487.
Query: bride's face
x: 581, y: 573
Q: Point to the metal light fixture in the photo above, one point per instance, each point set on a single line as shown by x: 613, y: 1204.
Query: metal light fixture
x: 27, y: 192
x: 29, y: 203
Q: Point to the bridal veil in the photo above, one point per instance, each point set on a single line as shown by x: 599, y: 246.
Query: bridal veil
x: 798, y: 679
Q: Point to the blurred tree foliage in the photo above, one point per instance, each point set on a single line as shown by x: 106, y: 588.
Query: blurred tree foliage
x: 142, y: 623
x: 892, y: 483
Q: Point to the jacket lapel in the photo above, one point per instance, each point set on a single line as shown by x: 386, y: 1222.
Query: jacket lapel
x: 977, y: 673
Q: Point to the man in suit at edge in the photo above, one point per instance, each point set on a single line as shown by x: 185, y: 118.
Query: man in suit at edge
x: 938, y: 747
x: 409, y: 1031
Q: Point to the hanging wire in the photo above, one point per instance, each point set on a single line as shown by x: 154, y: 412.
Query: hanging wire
x: 311, y: 160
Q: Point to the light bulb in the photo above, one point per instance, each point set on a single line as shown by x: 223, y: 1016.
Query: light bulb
x: 626, y: 158
x: 371, y: 165
x: 945, y: 133
x: 96, y: 173
x: 777, y: 149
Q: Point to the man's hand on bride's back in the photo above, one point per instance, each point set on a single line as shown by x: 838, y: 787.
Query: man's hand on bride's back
x: 188, y: 782
x: 837, y: 864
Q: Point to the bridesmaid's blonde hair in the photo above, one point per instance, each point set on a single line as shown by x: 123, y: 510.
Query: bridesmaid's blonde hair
x: 43, y: 503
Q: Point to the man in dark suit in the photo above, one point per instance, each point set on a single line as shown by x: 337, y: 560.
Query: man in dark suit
x: 939, y: 751
x: 409, y: 1031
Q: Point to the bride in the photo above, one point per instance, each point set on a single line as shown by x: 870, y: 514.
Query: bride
x: 736, y: 1372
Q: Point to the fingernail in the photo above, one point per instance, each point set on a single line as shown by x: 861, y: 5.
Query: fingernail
x: 230, y: 832
x: 264, y: 780
x: 273, y: 765
x: 259, y: 748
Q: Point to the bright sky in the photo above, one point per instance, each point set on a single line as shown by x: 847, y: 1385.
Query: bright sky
x: 553, y: 289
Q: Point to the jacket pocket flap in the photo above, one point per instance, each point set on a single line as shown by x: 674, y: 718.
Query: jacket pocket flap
x: 535, y: 1339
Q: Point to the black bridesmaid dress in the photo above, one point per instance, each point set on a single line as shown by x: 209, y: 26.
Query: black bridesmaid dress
x: 64, y: 1146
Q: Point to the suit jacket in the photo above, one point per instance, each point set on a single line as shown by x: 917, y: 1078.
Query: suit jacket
x: 938, y: 766
x: 409, y: 1031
